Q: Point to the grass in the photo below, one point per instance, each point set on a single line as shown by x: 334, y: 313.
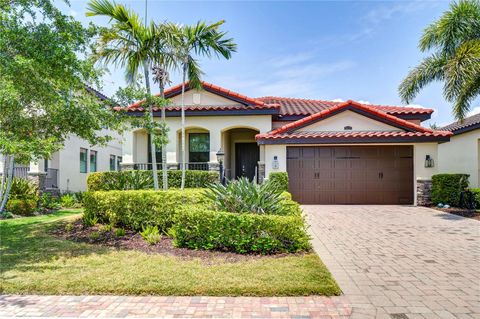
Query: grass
x: 33, y: 262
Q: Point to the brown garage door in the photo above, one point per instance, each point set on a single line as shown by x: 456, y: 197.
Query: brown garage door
x: 351, y: 174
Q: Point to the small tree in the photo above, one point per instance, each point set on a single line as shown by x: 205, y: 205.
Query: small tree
x: 43, y: 96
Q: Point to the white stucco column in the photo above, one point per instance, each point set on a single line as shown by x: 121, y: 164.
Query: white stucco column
x: 128, y: 146
x: 173, y: 144
x: 215, y: 143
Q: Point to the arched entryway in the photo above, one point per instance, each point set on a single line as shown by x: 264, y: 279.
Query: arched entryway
x: 241, y: 152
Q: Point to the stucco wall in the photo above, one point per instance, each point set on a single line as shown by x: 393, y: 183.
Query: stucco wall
x: 348, y: 118
x: 461, y: 155
x: 215, y: 125
x: 67, y: 161
x: 194, y: 97
x: 420, y: 150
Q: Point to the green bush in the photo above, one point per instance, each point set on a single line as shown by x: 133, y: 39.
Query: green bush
x: 200, y: 228
x: 24, y: 207
x: 23, y: 189
x: 120, y: 232
x: 476, y: 196
x: 140, y: 208
x: 446, y: 188
x: 151, y: 235
x: 280, y: 180
x: 242, y: 196
x: 137, y: 180
x: 68, y: 201
x: 49, y: 202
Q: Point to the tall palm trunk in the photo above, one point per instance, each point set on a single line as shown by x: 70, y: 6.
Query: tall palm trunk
x: 7, y: 181
x: 164, y: 145
x: 185, y: 65
x: 152, y: 142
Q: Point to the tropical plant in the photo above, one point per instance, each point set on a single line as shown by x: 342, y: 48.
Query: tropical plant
x: 455, y: 39
x: 23, y: 189
x: 129, y: 43
x: 200, y: 39
x: 68, y: 201
x: 48, y: 202
x: 120, y: 232
x: 89, y: 220
x: 43, y: 96
x: 242, y: 196
x: 151, y: 235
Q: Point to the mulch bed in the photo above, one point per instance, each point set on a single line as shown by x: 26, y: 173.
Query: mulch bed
x: 134, y: 241
x: 468, y: 213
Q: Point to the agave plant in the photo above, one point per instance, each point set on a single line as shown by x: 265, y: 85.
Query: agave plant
x: 243, y: 196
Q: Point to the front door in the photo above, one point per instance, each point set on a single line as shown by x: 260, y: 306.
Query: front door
x: 247, y: 156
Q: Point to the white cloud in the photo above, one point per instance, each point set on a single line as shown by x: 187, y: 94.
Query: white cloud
x: 291, y: 59
x: 474, y: 111
x: 417, y: 106
x: 72, y: 13
x: 363, y: 102
x: 338, y: 100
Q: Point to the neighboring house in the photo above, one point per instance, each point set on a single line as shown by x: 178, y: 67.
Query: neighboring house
x: 334, y: 152
x: 67, y: 169
x: 462, y: 153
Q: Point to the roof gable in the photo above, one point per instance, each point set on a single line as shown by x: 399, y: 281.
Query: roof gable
x: 468, y: 124
x: 354, y: 107
x: 348, y: 120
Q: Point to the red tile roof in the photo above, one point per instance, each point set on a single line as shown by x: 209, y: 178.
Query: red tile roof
x: 292, y: 130
x: 466, y: 125
x: 285, y: 106
x: 247, y: 102
x: 295, y: 106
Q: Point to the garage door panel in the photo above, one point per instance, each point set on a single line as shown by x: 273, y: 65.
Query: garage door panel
x: 351, y: 175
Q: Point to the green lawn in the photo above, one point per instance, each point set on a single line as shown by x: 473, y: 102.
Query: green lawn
x: 32, y: 261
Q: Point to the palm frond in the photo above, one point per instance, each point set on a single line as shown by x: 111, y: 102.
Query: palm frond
x: 431, y: 69
x: 464, y: 99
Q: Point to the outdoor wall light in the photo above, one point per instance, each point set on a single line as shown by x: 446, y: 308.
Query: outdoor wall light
x: 220, y: 155
x: 429, y: 161
x: 275, y: 163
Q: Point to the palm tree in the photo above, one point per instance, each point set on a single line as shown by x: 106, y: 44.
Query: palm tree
x: 200, y: 39
x: 128, y: 43
x: 164, y: 59
x: 455, y: 39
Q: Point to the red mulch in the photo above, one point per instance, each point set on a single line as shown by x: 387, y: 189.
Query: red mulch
x: 468, y: 213
x: 134, y: 241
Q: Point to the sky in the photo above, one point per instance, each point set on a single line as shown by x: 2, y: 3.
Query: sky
x: 329, y: 50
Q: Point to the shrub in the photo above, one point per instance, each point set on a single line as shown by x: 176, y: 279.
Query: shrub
x: 280, y: 180
x: 137, y: 180
x: 200, y: 228
x: 136, y: 209
x: 89, y: 220
x: 23, y: 189
x: 68, y: 201
x: 24, y: 207
x: 151, y: 235
x: 446, y: 188
x: 243, y: 196
x: 119, y: 232
x: 476, y: 196
x: 6, y: 215
x: 94, y: 235
x: 69, y: 227
x: 106, y: 228
x: 49, y: 202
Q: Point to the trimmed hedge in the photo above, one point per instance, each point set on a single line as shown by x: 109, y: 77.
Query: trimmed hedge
x: 476, y: 196
x: 128, y: 180
x: 135, y: 209
x: 280, y: 179
x: 201, y: 228
x: 446, y: 188
x: 23, y: 207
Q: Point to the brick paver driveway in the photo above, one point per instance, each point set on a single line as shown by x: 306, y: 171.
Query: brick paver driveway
x: 400, y: 262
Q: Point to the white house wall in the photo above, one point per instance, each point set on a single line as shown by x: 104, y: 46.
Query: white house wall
x: 461, y: 155
x: 194, y: 97
x: 357, y: 121
x: 69, y: 176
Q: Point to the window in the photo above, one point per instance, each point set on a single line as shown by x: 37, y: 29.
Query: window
x: 112, y: 162
x: 199, y: 147
x: 83, y: 160
x: 119, y: 162
x: 93, y: 161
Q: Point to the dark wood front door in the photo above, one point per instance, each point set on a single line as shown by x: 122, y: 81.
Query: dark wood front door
x: 247, y: 156
x: 351, y: 174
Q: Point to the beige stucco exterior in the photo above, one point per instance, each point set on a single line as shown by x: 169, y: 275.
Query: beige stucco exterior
x: 461, y: 155
x: 357, y: 122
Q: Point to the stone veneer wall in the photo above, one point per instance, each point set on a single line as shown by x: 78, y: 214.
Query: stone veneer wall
x: 424, y: 192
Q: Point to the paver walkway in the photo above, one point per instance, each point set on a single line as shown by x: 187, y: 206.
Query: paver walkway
x: 411, y: 262
x: 174, y: 307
